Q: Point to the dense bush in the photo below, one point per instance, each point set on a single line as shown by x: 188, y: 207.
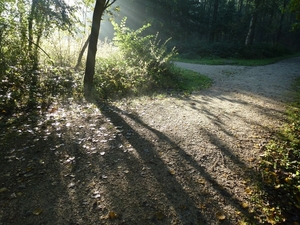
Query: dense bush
x: 140, y: 64
x: 24, y: 89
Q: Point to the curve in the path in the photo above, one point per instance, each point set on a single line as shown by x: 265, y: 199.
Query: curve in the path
x: 272, y: 81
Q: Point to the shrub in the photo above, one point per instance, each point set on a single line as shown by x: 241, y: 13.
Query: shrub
x: 24, y: 89
x: 140, y: 64
x: 280, y: 166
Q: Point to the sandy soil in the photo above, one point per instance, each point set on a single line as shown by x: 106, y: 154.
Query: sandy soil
x: 148, y: 161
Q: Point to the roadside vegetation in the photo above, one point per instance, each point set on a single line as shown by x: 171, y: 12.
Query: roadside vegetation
x: 139, y: 64
x: 132, y: 64
x: 278, y: 191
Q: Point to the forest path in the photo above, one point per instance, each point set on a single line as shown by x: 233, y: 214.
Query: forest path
x: 272, y: 81
x: 151, y: 161
x: 211, y: 141
x: 221, y: 132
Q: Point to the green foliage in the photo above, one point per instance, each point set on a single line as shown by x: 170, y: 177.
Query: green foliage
x: 113, y: 77
x: 280, y: 164
x: 294, y: 6
x: 189, y: 81
x: 142, y: 51
x: 140, y: 64
x: 23, y: 90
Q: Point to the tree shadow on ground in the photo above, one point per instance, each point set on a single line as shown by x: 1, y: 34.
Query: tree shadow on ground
x: 178, y: 173
x: 112, y: 168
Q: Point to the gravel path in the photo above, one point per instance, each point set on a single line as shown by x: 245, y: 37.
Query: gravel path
x: 271, y: 81
x: 169, y: 161
x: 220, y: 132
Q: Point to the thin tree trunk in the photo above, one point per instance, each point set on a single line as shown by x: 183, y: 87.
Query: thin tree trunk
x: 250, y: 36
x: 81, y: 53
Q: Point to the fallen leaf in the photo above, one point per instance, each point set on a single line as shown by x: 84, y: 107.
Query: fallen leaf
x: 277, y: 186
x: 71, y: 185
x: 112, y: 215
x: 256, y: 146
x: 220, y: 216
x: 201, y: 206
x: 271, y: 220
x: 3, y: 189
x: 172, y: 172
x: 37, y: 212
x: 248, y: 190
x: 201, y: 181
x: 159, y: 216
x: 251, y: 159
x: 288, y: 180
x: 96, y: 196
x: 245, y: 205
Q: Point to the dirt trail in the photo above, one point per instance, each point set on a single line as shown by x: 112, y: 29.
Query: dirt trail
x: 148, y: 161
x: 272, y: 81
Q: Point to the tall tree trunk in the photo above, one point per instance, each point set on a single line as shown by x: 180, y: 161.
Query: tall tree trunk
x: 213, y: 30
x: 241, y: 6
x: 22, y: 22
x: 251, y: 32
x: 30, y: 28
x: 280, y: 23
x: 88, y: 82
x: 91, y: 57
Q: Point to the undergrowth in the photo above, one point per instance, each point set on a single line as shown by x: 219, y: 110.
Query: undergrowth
x: 141, y: 64
x: 26, y: 90
x: 280, y: 169
x: 133, y: 64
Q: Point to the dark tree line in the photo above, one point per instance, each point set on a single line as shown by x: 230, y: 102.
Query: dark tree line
x: 238, y: 21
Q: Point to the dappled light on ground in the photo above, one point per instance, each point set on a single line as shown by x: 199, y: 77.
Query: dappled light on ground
x: 173, y: 160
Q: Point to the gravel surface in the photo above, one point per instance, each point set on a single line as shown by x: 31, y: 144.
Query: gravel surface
x: 150, y: 161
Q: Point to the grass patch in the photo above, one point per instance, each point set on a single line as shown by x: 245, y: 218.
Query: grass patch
x: 232, y: 61
x: 279, y: 198
x: 190, y: 81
